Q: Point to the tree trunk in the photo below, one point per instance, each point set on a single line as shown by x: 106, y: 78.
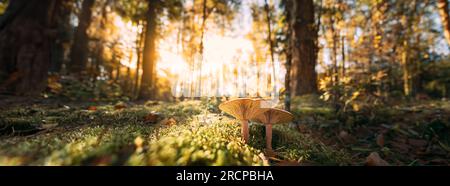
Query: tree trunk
x: 148, y: 84
x: 138, y: 63
x: 406, y: 61
x: 287, y: 81
x: 202, y: 47
x: 343, y: 56
x: 271, y: 46
x: 80, y: 48
x: 25, y: 36
x: 335, y: 70
x: 63, y: 29
x: 445, y: 18
x: 288, y: 65
x: 407, y: 83
x: 304, y: 50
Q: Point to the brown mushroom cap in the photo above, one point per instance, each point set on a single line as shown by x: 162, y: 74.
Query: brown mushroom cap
x: 243, y: 108
x: 274, y: 116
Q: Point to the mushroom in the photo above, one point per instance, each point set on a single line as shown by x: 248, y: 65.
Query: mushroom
x: 270, y: 117
x: 243, y: 109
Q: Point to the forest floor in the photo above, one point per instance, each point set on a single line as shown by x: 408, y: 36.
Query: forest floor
x: 60, y: 132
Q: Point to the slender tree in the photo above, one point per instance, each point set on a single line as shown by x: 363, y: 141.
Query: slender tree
x: 271, y: 42
x: 139, y: 43
x: 288, y: 64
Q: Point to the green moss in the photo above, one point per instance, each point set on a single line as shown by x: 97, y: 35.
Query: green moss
x: 216, y: 144
x: 292, y: 145
x: 106, y: 136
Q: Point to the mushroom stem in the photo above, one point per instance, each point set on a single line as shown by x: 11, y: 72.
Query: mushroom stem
x: 269, y: 136
x: 244, y: 130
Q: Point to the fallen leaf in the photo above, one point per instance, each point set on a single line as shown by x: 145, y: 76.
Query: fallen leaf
x: 151, y: 117
x: 168, y: 122
x: 270, y: 153
x: 92, y: 108
x: 380, y: 140
x: 120, y: 106
x: 374, y: 159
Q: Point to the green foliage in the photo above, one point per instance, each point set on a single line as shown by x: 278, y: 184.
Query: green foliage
x: 436, y: 78
x: 3, y: 5
x: 85, y: 89
x: 212, y: 104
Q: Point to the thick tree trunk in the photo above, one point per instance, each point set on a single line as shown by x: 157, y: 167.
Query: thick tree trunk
x: 443, y: 11
x: 148, y: 81
x: 80, y: 49
x: 304, y: 50
x: 25, y: 36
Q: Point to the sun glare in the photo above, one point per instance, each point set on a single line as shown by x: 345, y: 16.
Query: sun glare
x: 227, y: 67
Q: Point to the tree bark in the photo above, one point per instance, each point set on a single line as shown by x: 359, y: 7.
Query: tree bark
x: 63, y: 37
x: 80, y: 49
x: 148, y: 81
x: 335, y: 70
x: 25, y: 35
x: 202, y: 47
x: 271, y: 46
x: 406, y: 61
x: 304, y: 49
x: 288, y: 64
x: 343, y: 56
x: 445, y: 18
x: 138, y: 63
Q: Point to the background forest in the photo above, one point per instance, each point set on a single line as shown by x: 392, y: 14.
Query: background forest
x: 117, y: 82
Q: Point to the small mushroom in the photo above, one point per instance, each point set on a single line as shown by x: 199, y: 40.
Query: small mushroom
x: 270, y: 117
x: 243, y: 109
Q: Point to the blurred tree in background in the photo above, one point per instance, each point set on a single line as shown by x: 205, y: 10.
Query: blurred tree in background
x: 344, y: 50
